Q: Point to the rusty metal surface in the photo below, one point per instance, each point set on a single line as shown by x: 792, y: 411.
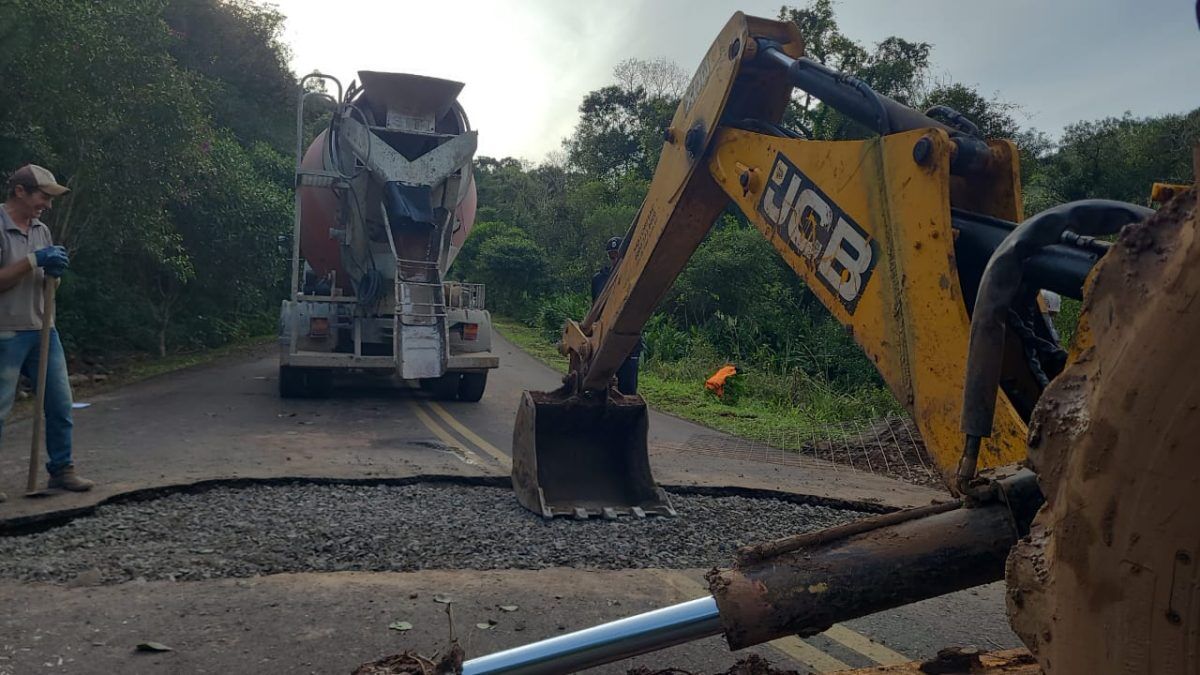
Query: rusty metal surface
x: 805, y: 591
x: 748, y: 555
x: 582, y: 457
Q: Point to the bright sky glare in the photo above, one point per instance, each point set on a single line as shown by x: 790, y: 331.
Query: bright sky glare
x: 528, y: 63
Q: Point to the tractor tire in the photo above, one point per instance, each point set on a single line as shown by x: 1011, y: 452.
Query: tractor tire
x: 470, y: 389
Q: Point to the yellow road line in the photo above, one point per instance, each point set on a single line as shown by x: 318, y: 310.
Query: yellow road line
x: 461, y: 428
x: 809, y: 655
x: 864, y: 645
x: 446, y: 437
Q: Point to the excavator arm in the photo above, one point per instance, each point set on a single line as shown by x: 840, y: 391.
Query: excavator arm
x: 910, y: 239
x: 891, y: 234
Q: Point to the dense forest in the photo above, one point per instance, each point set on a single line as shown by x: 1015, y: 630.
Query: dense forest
x: 173, y: 120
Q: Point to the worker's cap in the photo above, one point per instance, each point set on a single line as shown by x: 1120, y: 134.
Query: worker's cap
x: 34, y: 176
x: 613, y: 244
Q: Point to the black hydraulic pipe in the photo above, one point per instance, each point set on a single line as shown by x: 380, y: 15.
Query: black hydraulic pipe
x: 854, y: 98
x: 1002, y: 280
x: 1060, y: 268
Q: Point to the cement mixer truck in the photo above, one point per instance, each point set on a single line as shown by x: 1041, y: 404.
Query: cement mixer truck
x: 385, y: 198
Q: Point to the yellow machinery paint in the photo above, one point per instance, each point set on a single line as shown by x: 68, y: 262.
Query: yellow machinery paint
x: 869, y: 226
x: 909, y: 316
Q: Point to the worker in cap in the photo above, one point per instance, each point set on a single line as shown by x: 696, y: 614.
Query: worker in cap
x: 627, y: 374
x: 27, y: 256
x: 612, y: 249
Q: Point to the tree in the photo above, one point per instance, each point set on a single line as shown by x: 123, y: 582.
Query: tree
x: 241, y: 66
x: 1115, y: 158
x: 173, y: 218
x: 467, y: 264
x: 515, y: 270
x: 993, y: 117
x: 605, y: 144
x: 895, y: 68
x: 659, y: 78
x: 621, y: 127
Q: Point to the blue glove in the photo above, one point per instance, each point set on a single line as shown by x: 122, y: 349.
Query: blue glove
x: 55, y: 269
x: 53, y: 259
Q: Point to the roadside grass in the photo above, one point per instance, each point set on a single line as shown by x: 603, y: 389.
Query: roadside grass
x: 127, y: 369
x: 144, y: 366
x: 773, y: 407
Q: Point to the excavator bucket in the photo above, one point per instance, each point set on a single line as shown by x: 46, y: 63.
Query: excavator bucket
x: 580, y: 458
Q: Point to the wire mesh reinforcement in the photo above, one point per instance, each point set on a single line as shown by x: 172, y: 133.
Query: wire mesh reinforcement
x: 888, y: 446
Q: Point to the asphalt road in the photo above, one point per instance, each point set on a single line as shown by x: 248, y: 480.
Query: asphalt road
x: 224, y: 421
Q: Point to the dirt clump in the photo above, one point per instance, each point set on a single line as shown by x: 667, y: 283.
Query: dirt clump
x: 1109, y: 558
x: 412, y: 663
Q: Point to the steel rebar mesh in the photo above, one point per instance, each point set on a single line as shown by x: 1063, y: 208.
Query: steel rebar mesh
x: 887, y: 446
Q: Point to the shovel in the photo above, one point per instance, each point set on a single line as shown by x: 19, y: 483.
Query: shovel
x: 39, y: 398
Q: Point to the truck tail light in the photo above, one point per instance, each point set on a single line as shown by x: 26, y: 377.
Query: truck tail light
x: 470, y: 331
x: 318, y: 327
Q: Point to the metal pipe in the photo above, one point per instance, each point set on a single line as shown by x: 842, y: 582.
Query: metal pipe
x: 606, y: 643
x: 1002, y: 281
x: 808, y: 590
x: 816, y: 582
x: 849, y: 95
x: 1061, y: 268
x: 748, y: 555
x: 855, y: 99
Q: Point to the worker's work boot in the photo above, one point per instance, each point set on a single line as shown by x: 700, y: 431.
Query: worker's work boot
x: 66, y: 479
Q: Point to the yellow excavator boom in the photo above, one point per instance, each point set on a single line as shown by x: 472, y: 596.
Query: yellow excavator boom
x: 891, y: 234
x: 911, y: 240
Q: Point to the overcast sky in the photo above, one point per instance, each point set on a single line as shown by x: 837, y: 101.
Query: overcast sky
x: 528, y: 63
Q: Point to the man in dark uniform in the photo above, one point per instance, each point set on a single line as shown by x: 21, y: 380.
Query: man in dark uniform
x: 627, y: 374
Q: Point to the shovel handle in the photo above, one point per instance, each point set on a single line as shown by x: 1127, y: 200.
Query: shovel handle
x: 49, y: 285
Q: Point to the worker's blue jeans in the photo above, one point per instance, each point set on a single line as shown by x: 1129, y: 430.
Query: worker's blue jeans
x: 19, y: 355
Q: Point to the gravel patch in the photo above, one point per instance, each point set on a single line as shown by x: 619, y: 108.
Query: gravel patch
x: 249, y: 531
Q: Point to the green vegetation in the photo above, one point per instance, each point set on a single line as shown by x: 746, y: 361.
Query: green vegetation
x: 766, y: 411
x: 171, y: 120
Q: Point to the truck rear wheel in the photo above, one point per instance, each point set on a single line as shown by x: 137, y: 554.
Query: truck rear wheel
x: 304, y: 382
x: 445, y: 388
x: 471, y: 387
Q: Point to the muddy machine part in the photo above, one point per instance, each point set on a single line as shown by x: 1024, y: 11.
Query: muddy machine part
x: 805, y: 584
x: 916, y: 241
x: 385, y: 197
x: 1107, y: 557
